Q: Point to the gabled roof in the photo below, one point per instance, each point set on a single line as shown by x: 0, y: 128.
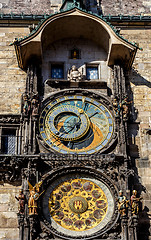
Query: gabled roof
x: 116, y: 45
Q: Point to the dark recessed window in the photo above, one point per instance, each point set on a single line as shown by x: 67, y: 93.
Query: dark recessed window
x: 92, y: 72
x: 57, y: 71
x: 8, y: 141
x: 75, y: 54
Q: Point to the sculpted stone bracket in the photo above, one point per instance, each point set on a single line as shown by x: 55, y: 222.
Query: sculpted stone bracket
x: 11, y: 167
x: 9, y: 118
x: 72, y: 160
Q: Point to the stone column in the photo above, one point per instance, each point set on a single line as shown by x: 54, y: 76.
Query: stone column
x: 21, y: 226
x: 135, y: 224
x: 124, y: 224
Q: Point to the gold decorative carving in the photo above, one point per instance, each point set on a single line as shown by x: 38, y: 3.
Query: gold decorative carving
x: 78, y: 204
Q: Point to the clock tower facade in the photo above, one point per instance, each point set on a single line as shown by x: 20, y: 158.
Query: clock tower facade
x: 77, y: 176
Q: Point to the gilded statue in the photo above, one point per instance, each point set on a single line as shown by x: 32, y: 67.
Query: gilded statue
x: 33, y: 197
x: 122, y: 204
x: 74, y: 75
x: 135, y: 202
x: 21, y: 200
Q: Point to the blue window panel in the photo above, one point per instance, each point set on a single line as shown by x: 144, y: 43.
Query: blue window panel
x: 91, y: 151
x: 57, y: 71
x: 49, y: 143
x: 54, y: 102
x: 61, y: 99
x: 110, y: 128
x: 110, y: 120
x: 102, y: 108
x: 109, y: 135
x: 105, y: 142
x: 84, y: 153
x: 79, y: 97
x: 62, y: 151
x: 107, y: 114
x: 44, y: 135
x: 92, y: 73
x: 96, y: 103
x: 48, y: 107
x: 9, y: 144
x: 98, y: 148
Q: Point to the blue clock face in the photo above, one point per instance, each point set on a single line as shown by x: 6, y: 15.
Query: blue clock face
x: 76, y: 124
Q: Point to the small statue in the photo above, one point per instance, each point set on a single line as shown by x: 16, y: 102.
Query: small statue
x: 21, y: 200
x: 26, y: 106
x: 125, y: 106
x: 116, y: 107
x: 74, y: 75
x: 135, y: 203
x: 122, y: 204
x: 35, y: 105
x: 33, y: 197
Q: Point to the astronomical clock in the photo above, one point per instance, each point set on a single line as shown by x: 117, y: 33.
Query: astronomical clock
x: 73, y: 154
x: 80, y: 201
x: 76, y: 124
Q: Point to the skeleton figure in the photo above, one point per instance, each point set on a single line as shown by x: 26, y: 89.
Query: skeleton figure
x: 35, y: 105
x: 74, y: 75
x: 21, y: 200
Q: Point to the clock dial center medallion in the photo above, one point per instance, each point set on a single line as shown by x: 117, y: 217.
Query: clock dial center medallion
x: 78, y: 204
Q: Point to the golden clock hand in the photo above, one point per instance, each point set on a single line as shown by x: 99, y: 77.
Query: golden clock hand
x: 83, y: 102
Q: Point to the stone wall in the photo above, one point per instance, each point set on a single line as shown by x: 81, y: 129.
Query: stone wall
x: 124, y: 7
x: 8, y: 212
x: 30, y: 6
x: 12, y: 79
x: 140, y: 132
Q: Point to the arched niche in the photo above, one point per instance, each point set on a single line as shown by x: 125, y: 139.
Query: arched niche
x: 75, y: 23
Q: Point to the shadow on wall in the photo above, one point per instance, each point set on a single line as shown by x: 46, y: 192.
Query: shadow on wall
x: 144, y: 224
x: 144, y: 218
x: 138, y: 80
x: 134, y: 121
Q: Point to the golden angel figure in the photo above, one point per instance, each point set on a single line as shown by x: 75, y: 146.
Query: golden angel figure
x: 33, y: 197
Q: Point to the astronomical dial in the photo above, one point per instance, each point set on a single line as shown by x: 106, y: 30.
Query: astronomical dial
x: 77, y: 205
x: 76, y: 124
